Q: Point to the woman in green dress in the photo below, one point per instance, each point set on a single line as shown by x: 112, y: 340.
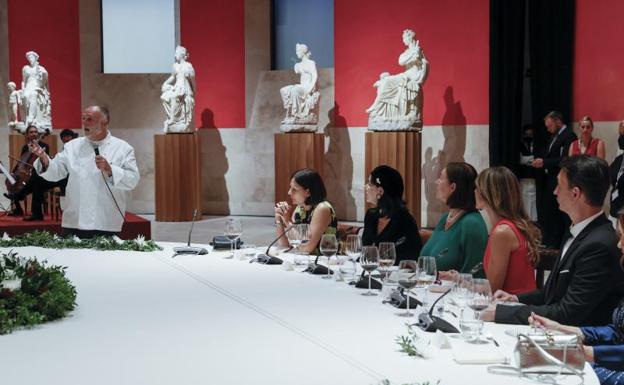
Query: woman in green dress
x: 307, y: 193
x: 459, y: 239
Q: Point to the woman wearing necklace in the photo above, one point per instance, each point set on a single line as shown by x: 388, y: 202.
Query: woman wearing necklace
x: 459, y: 239
x: 389, y: 220
x: 512, y: 249
x: 307, y: 192
x: 586, y: 145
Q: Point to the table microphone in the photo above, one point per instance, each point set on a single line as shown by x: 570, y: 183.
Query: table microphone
x: 430, y: 323
x: 268, y: 259
x: 188, y: 249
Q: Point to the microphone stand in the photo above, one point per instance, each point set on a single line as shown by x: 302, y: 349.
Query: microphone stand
x: 188, y: 249
x: 269, y: 259
x: 430, y: 323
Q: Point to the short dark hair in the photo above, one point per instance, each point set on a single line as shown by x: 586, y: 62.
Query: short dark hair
x: 554, y: 115
x: 68, y: 132
x: 105, y: 112
x: 311, y: 180
x: 464, y: 176
x: 590, y: 174
x: 29, y: 127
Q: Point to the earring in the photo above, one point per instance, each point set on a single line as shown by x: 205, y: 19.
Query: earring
x: 378, y: 196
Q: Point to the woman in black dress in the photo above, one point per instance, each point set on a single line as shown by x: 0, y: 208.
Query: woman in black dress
x: 389, y: 220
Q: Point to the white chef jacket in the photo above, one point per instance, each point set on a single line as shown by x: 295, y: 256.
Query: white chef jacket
x: 88, y: 203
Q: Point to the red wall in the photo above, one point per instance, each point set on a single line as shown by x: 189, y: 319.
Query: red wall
x: 454, y: 36
x: 50, y: 28
x: 599, y: 60
x: 214, y: 34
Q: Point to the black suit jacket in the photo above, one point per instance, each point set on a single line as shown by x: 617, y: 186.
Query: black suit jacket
x: 583, y: 288
x: 556, y: 152
x: 617, y: 203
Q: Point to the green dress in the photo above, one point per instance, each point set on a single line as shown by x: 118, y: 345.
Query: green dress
x: 461, y: 247
x: 302, y: 216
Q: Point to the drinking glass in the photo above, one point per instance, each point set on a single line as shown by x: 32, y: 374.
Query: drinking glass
x: 480, y: 298
x: 387, y: 257
x: 427, y: 274
x: 353, y: 249
x: 233, y: 231
x: 329, y: 248
x: 369, y: 262
x: 463, y: 290
x: 408, y: 283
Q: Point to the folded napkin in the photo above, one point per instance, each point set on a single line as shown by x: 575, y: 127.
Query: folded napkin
x: 473, y: 354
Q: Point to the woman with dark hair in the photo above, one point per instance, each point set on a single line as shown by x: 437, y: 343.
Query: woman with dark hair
x: 307, y: 192
x: 459, y: 239
x: 603, y: 345
x: 512, y: 249
x: 389, y: 220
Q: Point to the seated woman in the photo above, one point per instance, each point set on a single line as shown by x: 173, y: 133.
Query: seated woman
x: 307, y: 192
x: 586, y: 144
x: 604, y: 345
x: 512, y: 248
x: 389, y: 220
x: 459, y: 239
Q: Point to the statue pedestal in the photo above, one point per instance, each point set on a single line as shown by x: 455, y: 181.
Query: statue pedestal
x: 402, y: 151
x: 178, y: 176
x: 294, y: 151
x: 17, y: 141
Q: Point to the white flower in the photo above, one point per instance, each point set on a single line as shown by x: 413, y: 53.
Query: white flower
x: 56, y: 237
x: 5, y: 237
x: 12, y: 284
x: 117, y: 240
x: 76, y: 239
x: 140, y: 240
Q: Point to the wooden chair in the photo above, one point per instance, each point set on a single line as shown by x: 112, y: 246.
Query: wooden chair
x: 547, y: 260
x: 54, y: 203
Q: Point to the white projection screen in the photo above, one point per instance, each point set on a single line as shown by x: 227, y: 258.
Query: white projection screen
x: 138, y: 36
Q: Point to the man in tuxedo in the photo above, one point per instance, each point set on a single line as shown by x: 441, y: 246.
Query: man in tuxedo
x: 586, y: 282
x: 550, y: 218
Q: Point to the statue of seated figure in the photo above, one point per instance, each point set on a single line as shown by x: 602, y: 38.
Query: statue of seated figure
x: 399, y: 102
x: 301, y: 101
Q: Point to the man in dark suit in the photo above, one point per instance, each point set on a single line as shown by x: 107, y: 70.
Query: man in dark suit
x: 617, y: 177
x: 586, y: 282
x: 552, y: 221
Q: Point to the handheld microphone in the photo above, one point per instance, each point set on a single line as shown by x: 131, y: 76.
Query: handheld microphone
x: 97, y: 151
x: 123, y: 217
x: 268, y: 259
x: 188, y: 249
x: 430, y: 323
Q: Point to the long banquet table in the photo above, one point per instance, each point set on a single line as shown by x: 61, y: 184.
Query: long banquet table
x: 145, y: 318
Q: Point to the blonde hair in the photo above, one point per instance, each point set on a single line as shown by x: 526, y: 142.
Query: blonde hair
x: 586, y: 118
x: 500, y: 190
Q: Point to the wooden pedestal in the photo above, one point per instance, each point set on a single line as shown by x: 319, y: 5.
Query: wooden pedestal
x: 400, y: 150
x: 17, y: 141
x: 178, y: 176
x: 294, y: 151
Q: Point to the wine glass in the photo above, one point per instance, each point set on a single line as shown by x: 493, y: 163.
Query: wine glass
x: 408, y: 283
x: 369, y: 262
x: 329, y: 248
x: 478, y: 301
x: 233, y: 231
x: 463, y: 289
x: 427, y: 273
x: 387, y: 256
x: 353, y: 249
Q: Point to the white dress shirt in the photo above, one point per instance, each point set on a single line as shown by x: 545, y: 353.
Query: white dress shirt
x: 576, y: 230
x: 88, y: 203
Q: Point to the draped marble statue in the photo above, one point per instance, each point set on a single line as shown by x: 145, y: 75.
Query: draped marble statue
x: 178, y: 95
x: 399, y: 102
x: 301, y: 101
x: 36, y: 103
x: 15, y: 104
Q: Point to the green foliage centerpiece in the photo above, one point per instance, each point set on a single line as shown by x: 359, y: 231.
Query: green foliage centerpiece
x: 53, y: 241
x: 32, y: 292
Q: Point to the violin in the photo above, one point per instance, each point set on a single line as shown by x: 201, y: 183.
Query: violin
x: 23, y: 171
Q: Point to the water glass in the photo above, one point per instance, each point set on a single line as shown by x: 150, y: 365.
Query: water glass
x: 479, y: 300
x: 427, y: 274
x: 387, y: 257
x: 233, y: 231
x: 353, y: 249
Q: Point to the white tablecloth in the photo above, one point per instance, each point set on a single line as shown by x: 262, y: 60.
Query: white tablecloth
x: 144, y: 318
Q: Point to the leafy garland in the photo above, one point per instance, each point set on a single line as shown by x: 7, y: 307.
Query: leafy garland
x: 32, y: 292
x: 53, y: 241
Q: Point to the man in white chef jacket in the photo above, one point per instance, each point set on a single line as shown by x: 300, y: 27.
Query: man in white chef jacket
x: 90, y: 209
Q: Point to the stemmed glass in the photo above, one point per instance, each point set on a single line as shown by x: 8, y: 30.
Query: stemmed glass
x: 233, y: 231
x: 387, y: 257
x: 408, y: 283
x: 329, y: 248
x: 427, y: 274
x: 478, y: 301
x: 353, y: 249
x: 369, y: 262
x: 296, y: 236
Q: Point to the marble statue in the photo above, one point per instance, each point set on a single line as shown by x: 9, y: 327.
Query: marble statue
x: 178, y: 95
x: 301, y: 101
x: 36, y: 102
x: 15, y: 104
x: 399, y: 102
